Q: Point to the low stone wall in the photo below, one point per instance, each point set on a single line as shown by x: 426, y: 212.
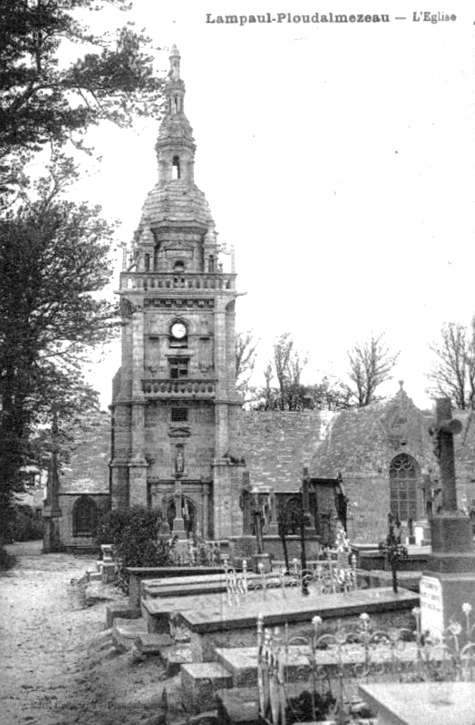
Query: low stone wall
x: 371, y: 560
x: 245, y: 547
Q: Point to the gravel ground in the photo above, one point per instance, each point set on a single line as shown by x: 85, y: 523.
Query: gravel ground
x: 57, y: 664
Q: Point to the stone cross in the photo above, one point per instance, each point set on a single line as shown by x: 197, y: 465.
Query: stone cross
x: 444, y: 431
x: 258, y: 512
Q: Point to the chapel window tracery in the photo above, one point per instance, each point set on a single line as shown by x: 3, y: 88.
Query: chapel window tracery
x: 403, y: 478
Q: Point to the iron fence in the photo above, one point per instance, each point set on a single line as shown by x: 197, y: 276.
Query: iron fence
x: 335, y: 573
x: 311, y: 679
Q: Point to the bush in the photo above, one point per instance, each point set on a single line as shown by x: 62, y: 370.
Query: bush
x: 6, y: 560
x: 133, y: 532
x: 25, y: 525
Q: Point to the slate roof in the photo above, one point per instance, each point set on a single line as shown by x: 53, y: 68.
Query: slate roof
x: 277, y: 445
x: 365, y: 440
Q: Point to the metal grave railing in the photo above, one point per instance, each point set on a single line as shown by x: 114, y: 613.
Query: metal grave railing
x: 311, y: 679
x: 327, y: 576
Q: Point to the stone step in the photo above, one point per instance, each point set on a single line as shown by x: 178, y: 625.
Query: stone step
x: 200, y: 682
x: 153, y: 644
x: 175, y: 657
x: 108, y: 570
x: 122, y: 610
x: 126, y: 631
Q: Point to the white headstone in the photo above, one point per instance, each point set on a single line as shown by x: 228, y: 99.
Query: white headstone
x: 432, y: 606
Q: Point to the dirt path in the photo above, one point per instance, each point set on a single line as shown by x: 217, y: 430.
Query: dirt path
x: 57, y: 665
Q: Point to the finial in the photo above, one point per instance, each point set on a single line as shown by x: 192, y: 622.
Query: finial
x: 175, y: 63
x: 401, y: 384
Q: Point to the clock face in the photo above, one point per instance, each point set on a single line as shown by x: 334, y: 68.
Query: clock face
x: 178, y: 330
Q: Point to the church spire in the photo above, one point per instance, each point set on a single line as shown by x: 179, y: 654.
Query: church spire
x: 175, y: 63
x: 175, y: 88
x: 175, y: 146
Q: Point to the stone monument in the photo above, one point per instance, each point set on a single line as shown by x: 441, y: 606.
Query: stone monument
x: 178, y: 521
x: 449, y: 580
x: 261, y: 498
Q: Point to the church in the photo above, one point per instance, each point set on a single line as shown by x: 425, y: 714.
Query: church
x: 177, y: 431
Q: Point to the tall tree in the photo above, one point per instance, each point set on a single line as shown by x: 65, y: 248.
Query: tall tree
x: 328, y: 395
x: 288, y: 365
x: 453, y: 371
x: 46, y: 99
x: 54, y: 262
x: 370, y: 364
x: 246, y: 346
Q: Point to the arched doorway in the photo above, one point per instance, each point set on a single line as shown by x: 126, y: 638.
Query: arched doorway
x: 188, y: 512
x: 84, y: 517
x: 403, y: 488
x: 290, y: 513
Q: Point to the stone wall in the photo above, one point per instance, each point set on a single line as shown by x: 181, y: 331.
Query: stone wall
x: 367, y: 517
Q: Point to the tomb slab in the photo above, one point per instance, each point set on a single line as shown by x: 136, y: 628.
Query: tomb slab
x: 421, y: 703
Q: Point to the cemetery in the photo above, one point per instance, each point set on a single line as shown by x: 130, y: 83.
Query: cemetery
x: 323, y: 639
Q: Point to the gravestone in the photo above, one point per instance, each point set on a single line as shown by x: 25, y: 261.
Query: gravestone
x: 449, y: 581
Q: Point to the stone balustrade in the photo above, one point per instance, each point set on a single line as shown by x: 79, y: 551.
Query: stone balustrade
x: 185, y: 388
x: 188, y: 281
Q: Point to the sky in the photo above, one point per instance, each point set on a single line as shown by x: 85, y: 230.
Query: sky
x: 338, y: 159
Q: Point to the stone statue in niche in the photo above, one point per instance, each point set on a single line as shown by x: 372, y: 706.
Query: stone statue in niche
x: 179, y: 461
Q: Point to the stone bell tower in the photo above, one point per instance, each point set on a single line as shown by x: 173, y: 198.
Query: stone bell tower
x: 175, y: 408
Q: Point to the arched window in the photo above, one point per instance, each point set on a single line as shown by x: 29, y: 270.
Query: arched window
x: 176, y: 167
x: 403, y: 477
x: 84, y: 517
x: 289, y: 513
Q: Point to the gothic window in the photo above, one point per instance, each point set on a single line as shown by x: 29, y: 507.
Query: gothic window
x: 403, y: 476
x: 147, y: 262
x: 84, y: 517
x: 178, y: 368
x: 176, y: 167
x: 289, y: 514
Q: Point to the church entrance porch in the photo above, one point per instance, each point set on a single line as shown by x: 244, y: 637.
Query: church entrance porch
x: 195, y: 508
x: 188, y: 514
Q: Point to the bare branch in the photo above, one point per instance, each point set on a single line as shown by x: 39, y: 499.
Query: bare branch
x: 370, y: 365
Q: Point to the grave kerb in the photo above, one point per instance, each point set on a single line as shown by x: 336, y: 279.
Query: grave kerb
x: 215, y: 624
